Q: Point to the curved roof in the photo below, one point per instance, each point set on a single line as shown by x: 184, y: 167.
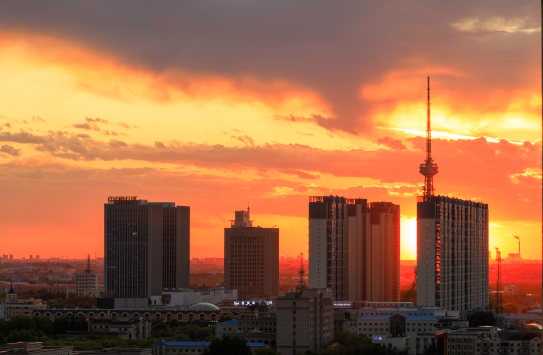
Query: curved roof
x: 11, y: 290
x: 203, y: 307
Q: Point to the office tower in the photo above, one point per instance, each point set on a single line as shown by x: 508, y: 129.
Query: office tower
x: 452, y: 245
x: 328, y: 244
x: 305, y: 321
x: 251, y: 258
x: 146, y: 247
x: 373, y: 251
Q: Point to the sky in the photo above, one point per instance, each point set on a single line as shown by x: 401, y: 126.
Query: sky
x: 225, y: 104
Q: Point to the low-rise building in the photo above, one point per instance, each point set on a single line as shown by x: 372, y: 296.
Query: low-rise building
x: 15, y: 307
x: 305, y: 320
x: 518, y: 321
x: 27, y: 348
x: 127, y: 329
x: 253, y: 326
x: 86, y: 284
x: 186, y: 347
x: 185, y: 297
x: 117, y: 351
x: 401, y: 343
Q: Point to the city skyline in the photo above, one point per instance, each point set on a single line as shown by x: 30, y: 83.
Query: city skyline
x: 340, y: 110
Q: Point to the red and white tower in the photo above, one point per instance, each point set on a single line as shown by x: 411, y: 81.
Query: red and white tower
x: 428, y: 168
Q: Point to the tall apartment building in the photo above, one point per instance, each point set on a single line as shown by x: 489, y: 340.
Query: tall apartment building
x: 251, y: 258
x: 452, y: 253
x: 328, y: 244
x: 146, y: 247
x: 305, y: 320
x: 373, y: 251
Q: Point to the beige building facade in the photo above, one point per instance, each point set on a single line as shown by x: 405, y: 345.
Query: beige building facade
x: 328, y: 244
x: 86, y: 284
x: 251, y: 259
x: 373, y: 251
x: 305, y: 321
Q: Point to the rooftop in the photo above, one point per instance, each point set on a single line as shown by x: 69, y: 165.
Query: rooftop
x: 200, y: 343
x: 203, y: 307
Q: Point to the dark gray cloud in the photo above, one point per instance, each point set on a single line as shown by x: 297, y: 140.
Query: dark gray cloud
x: 330, y: 47
x: 8, y: 149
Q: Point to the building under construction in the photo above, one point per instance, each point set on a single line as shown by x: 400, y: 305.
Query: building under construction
x: 452, y: 245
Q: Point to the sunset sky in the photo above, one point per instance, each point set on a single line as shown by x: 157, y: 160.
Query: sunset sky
x: 215, y: 105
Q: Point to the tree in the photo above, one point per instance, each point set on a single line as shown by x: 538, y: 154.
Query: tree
x: 430, y: 349
x: 228, y: 346
x: 478, y: 319
x: 267, y: 351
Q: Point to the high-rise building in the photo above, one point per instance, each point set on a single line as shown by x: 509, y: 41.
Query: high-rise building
x: 373, y: 251
x: 251, y: 258
x: 146, y: 247
x: 452, y: 253
x: 452, y: 244
x: 328, y: 244
x: 305, y: 321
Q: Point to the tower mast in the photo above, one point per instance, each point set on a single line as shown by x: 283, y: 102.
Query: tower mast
x: 428, y: 169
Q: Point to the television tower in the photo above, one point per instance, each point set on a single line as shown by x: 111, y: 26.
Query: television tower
x: 428, y: 169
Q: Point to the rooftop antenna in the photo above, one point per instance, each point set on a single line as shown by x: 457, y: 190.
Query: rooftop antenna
x: 88, y: 269
x: 428, y: 169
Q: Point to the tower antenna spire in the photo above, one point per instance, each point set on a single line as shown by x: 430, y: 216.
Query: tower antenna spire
x: 428, y: 169
x: 428, y: 127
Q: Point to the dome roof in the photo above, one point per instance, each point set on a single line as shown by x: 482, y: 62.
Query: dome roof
x: 203, y: 307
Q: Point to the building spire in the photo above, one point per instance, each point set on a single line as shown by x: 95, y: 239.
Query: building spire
x: 428, y: 169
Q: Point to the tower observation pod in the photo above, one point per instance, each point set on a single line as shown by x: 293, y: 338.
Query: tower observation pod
x: 428, y: 168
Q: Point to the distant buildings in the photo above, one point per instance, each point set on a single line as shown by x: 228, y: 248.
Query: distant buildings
x: 354, y: 248
x: 251, y: 258
x: 452, y: 253
x: 147, y: 247
x: 305, y: 320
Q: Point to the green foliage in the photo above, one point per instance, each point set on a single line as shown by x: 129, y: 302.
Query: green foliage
x: 430, y: 350
x: 267, y: 351
x: 228, y: 346
x: 58, y: 299
x: 352, y: 344
x: 478, y: 319
x: 51, y: 333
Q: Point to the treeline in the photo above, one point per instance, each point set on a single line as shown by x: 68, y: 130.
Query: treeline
x: 352, y: 344
x: 346, y: 344
x: 52, y: 333
x: 38, y: 328
x: 57, y: 299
